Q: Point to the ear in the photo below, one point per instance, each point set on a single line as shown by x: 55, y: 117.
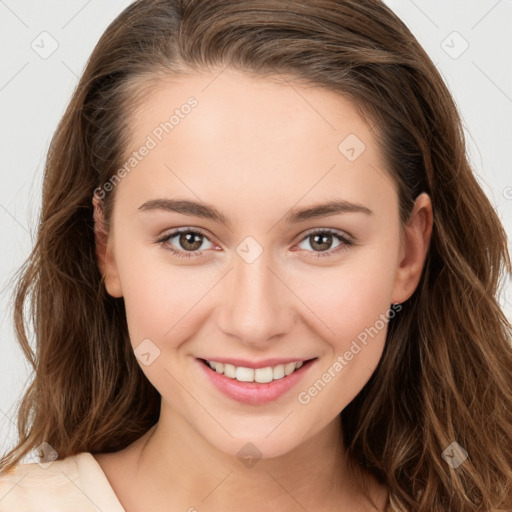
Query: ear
x: 414, y: 248
x: 104, y: 254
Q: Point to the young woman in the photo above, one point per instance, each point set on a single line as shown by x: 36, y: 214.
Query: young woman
x: 265, y: 276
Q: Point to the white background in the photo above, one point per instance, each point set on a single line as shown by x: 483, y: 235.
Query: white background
x: 34, y: 92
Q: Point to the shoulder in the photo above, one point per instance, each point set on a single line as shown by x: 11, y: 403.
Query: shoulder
x: 59, y: 486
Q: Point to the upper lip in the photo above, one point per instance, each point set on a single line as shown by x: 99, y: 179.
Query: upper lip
x: 255, y: 364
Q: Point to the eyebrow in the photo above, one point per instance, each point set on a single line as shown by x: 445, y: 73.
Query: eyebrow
x: 294, y: 216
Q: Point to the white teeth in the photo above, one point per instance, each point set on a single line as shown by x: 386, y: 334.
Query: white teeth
x: 288, y: 368
x: 278, y: 371
x: 261, y: 375
x: 244, y: 374
x: 229, y: 371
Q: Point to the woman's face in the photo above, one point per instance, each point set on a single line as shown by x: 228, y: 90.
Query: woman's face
x: 263, y: 274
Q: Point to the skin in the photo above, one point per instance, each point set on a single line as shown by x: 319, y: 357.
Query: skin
x: 254, y: 149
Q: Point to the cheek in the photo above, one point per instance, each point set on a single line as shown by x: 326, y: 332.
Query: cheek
x: 353, y: 302
x: 351, y: 296
x: 162, y: 300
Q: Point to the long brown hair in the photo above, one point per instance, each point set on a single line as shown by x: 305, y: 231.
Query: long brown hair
x: 445, y: 374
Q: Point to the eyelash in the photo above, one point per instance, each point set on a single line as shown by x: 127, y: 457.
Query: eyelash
x: 345, y: 242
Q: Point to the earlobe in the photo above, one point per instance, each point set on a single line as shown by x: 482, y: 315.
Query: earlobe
x: 416, y: 241
x: 104, y: 256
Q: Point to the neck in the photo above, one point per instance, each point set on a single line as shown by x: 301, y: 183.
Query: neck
x: 180, y: 470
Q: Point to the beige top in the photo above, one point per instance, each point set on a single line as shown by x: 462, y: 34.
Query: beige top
x: 74, y: 484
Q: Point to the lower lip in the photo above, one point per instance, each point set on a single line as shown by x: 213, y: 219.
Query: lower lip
x: 254, y: 393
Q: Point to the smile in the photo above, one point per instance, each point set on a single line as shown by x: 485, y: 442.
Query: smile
x: 261, y: 375
x: 254, y: 386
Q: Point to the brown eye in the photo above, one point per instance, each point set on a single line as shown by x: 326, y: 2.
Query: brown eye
x: 185, y: 243
x: 321, y: 242
x: 190, y: 241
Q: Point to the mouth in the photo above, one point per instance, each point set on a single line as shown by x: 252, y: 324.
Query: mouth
x: 252, y: 385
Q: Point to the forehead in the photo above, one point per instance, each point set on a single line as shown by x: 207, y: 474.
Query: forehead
x: 212, y: 133
x: 255, y: 110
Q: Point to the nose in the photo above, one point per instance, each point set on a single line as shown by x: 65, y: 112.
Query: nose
x: 257, y: 307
